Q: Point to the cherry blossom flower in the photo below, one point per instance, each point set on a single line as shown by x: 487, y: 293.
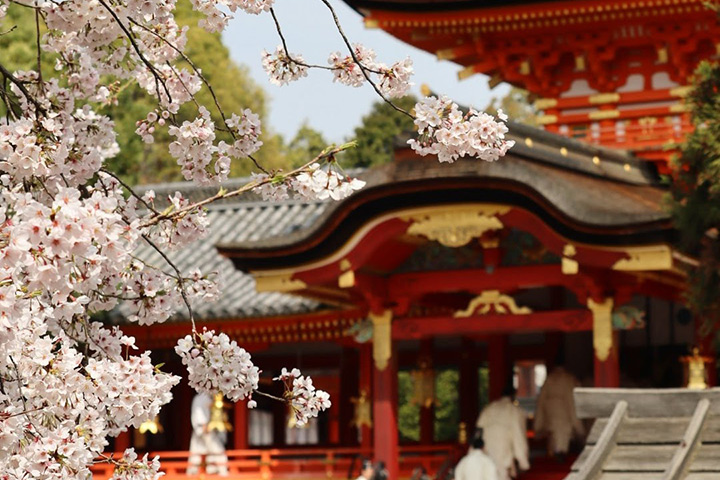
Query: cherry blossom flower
x: 283, y: 69
x: 305, y: 401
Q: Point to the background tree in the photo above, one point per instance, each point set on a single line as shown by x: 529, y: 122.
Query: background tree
x: 695, y: 194
x: 306, y: 143
x: 376, y: 134
x: 517, y: 105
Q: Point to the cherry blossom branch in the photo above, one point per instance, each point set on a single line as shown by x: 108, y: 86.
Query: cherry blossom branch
x: 21, y: 86
x: 287, y: 52
x: 135, y: 46
x: 179, y: 278
x: 224, y: 194
x: 362, y: 67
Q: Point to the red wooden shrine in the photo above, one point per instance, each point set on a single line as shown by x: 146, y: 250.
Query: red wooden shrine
x: 608, y: 72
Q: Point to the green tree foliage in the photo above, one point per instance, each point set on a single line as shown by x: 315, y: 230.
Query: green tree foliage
x: 139, y: 162
x: 695, y: 193
x: 447, y: 409
x: 516, y: 104
x: 408, y: 411
x: 305, y: 145
x: 376, y: 134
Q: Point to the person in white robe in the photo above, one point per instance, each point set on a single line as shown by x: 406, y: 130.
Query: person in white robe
x: 476, y: 465
x: 204, y: 442
x: 555, y: 414
x: 504, y: 427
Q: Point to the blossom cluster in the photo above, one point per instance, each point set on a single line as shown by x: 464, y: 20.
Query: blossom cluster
x: 283, y: 67
x: 216, y: 363
x: 129, y: 467
x: 352, y: 69
x: 448, y: 133
x: 305, y: 400
x: 311, y: 184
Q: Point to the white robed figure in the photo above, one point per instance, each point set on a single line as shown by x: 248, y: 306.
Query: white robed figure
x: 555, y: 412
x: 503, y: 424
x: 206, y: 441
x: 476, y: 465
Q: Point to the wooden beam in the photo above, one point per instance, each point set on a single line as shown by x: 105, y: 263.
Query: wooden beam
x: 688, y: 445
x: 592, y: 467
x: 565, y: 321
x: 477, y: 280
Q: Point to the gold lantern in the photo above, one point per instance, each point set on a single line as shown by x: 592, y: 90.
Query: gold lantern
x: 151, y: 426
x: 695, y: 373
x: 423, y: 384
x: 362, y: 417
x: 218, y: 416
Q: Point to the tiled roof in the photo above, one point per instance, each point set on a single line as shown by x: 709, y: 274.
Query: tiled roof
x: 238, y: 221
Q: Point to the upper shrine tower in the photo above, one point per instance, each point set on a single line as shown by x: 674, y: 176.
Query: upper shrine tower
x: 610, y: 72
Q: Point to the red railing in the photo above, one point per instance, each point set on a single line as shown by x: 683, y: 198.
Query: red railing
x: 299, y: 463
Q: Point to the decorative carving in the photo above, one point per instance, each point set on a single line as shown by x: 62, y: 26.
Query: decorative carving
x: 362, y: 416
x: 602, y: 327
x: 492, y: 301
x: 601, y: 98
x: 457, y: 226
x: 278, y: 283
x: 382, y: 338
x: 654, y: 257
x: 568, y: 265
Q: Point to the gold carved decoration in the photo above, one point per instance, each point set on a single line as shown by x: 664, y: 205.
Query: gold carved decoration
x: 457, y: 226
x: 525, y: 68
x: 580, y: 63
x: 347, y: 278
x: 569, y: 266
x: 382, y: 338
x: 662, y: 55
x: 602, y: 327
x: 603, y: 114
x: 492, y: 301
x: 362, y: 416
x: 680, y: 108
x: 278, y: 283
x: 681, y: 91
x: 601, y: 98
x: 547, y: 119
x: 445, y: 54
x: 218, y: 416
x: 545, y: 103
x: 466, y: 72
x: 653, y: 257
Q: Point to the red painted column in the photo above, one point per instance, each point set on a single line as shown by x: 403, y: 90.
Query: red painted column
x: 122, y: 441
x: 607, y: 373
x: 499, y: 365
x: 427, y: 412
x: 385, y: 417
x: 366, y: 385
x: 240, y: 425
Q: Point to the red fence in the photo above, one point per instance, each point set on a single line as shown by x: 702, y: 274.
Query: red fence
x: 301, y: 463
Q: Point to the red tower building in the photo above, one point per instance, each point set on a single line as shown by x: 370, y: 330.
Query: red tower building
x: 610, y: 72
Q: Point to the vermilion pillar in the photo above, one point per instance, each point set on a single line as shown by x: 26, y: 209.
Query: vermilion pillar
x: 499, y: 365
x: 385, y: 417
x: 122, y: 441
x: 385, y: 393
x: 240, y: 425
x: 607, y: 372
x: 349, y: 383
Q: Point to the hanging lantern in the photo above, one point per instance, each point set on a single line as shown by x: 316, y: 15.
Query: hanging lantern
x: 362, y: 417
x: 695, y: 373
x: 218, y: 416
x: 423, y: 384
x: 151, y: 426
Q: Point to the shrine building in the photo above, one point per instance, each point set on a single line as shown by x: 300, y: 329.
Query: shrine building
x: 560, y: 251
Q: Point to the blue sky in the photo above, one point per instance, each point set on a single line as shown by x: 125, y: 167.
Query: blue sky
x: 331, y: 108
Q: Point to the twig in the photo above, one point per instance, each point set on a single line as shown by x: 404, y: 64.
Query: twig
x: 39, y: 51
x: 363, y: 69
x: 18, y: 83
x: 180, y: 279
x: 135, y: 46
